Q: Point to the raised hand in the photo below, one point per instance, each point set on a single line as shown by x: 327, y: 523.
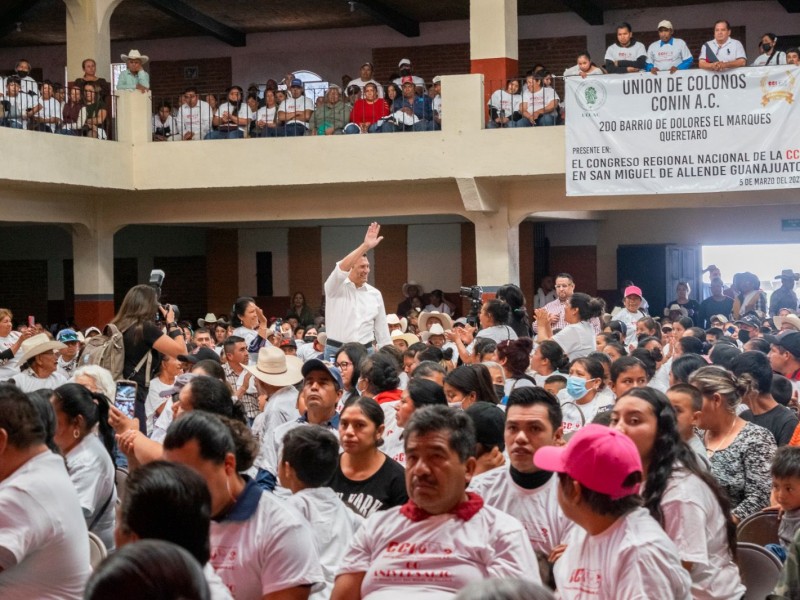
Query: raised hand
x: 372, y: 238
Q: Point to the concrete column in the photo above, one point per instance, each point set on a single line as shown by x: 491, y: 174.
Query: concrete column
x: 496, y: 249
x: 89, y: 35
x: 461, y: 96
x: 134, y: 117
x: 494, y: 41
x: 93, y: 260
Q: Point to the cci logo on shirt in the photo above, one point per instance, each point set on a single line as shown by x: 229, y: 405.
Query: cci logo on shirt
x: 587, y: 579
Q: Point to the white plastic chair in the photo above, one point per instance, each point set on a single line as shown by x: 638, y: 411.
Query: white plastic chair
x: 97, y: 550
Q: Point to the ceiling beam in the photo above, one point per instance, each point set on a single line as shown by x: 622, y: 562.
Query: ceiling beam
x: 388, y: 16
x: 183, y: 11
x: 791, y: 6
x: 586, y: 10
x: 12, y: 14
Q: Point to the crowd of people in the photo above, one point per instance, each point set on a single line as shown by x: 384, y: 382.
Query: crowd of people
x: 359, y: 454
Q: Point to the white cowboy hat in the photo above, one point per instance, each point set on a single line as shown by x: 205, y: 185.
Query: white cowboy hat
x: 676, y: 308
x: 792, y: 320
x: 409, y: 338
x: 393, y: 319
x: 409, y: 284
x: 435, y: 329
x: 135, y: 55
x: 276, y: 368
x: 210, y: 319
x: 447, y: 320
x: 36, y: 345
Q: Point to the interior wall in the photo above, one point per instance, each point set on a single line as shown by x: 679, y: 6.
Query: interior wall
x: 434, y: 256
x: 332, y: 53
x: 271, y: 239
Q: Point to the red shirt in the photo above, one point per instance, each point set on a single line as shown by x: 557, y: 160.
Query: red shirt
x: 364, y: 112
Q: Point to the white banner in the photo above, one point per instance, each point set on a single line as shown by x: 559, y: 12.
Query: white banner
x: 688, y: 132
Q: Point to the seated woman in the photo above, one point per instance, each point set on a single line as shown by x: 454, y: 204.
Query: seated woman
x: 93, y: 114
x: 578, y: 337
x: 367, y: 111
x: 584, y: 67
x: 89, y: 457
x: 366, y: 479
x: 72, y: 111
x: 681, y: 495
x: 586, y: 394
x: 548, y: 358
x: 332, y: 116
x: 740, y: 452
x: 504, y: 106
x: 469, y: 384
x: 539, y: 103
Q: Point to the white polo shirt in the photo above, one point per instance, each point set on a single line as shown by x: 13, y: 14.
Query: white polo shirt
x: 261, y: 546
x: 730, y: 50
x: 354, y: 314
x: 436, y: 557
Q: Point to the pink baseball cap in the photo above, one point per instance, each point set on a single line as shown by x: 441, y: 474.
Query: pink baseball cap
x: 633, y: 290
x: 597, y: 457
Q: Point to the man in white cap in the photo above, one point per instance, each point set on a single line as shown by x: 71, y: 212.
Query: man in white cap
x: 668, y: 53
x: 38, y: 364
x: 276, y: 375
x: 134, y: 77
x: 354, y: 310
x: 406, y: 70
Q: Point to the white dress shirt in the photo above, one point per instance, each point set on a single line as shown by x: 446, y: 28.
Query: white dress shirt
x: 354, y: 314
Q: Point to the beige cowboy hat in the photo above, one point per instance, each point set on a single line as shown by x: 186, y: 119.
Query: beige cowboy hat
x: 393, y: 319
x: 135, y: 55
x: 210, y: 319
x: 435, y: 329
x: 36, y: 345
x: 409, y: 338
x: 792, y: 321
x: 447, y: 320
x: 409, y: 284
x: 276, y: 368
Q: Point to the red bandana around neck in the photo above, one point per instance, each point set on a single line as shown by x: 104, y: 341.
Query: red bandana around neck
x: 464, y: 510
x: 388, y: 396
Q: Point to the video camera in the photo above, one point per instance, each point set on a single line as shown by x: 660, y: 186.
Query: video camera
x: 156, y: 280
x: 475, y: 295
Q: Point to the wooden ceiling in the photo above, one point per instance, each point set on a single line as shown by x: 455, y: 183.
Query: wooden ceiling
x: 42, y: 22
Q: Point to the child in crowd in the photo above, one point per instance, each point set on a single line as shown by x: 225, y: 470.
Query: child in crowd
x: 786, y: 494
x: 555, y: 383
x: 310, y: 457
x: 687, y: 402
x: 781, y: 389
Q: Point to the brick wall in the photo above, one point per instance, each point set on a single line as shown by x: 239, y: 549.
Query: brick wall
x: 305, y: 265
x: 23, y: 290
x: 391, y: 264
x: 556, y: 54
x: 168, y: 78
x: 184, y: 284
x: 428, y: 61
x: 694, y: 38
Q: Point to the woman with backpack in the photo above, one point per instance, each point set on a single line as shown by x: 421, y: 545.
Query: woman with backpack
x: 143, y: 340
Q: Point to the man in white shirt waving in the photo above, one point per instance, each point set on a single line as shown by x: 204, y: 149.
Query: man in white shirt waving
x: 354, y: 310
x: 723, y: 52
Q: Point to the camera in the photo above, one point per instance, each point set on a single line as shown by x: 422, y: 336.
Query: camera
x: 475, y: 295
x: 156, y: 281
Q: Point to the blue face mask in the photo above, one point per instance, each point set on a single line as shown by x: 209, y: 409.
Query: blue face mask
x: 576, y: 387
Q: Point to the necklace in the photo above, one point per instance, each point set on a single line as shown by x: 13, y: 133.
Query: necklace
x: 710, y: 452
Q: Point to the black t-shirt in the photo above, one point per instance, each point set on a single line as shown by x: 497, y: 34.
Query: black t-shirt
x: 136, y: 349
x: 385, y: 489
x: 780, y: 421
x: 710, y: 307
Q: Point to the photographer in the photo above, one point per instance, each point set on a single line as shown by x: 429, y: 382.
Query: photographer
x: 136, y: 321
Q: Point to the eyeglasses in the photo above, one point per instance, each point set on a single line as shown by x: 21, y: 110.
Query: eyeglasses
x: 342, y: 365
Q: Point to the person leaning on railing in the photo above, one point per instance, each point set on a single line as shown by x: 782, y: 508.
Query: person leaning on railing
x: 93, y: 114
x: 367, y: 111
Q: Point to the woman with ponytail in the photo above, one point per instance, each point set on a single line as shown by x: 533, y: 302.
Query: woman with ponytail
x: 578, y: 338
x: 518, y: 317
x: 89, y: 454
x: 681, y: 495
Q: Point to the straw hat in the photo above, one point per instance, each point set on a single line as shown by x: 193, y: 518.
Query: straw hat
x: 409, y: 284
x: 435, y: 329
x: 135, y: 55
x: 447, y: 320
x: 274, y: 367
x: 408, y: 338
x: 792, y: 321
x: 36, y: 345
x: 210, y: 319
x: 393, y: 319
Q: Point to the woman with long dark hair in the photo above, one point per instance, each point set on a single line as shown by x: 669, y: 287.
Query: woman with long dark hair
x: 514, y: 357
x: 518, y: 319
x: 144, y: 339
x: 681, y: 495
x: 468, y: 384
x: 89, y: 456
x: 348, y: 361
x: 548, y: 358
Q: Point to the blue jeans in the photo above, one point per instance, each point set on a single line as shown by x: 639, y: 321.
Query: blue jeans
x: 332, y: 352
x: 225, y: 135
x: 351, y: 128
x: 421, y: 125
x: 291, y: 130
